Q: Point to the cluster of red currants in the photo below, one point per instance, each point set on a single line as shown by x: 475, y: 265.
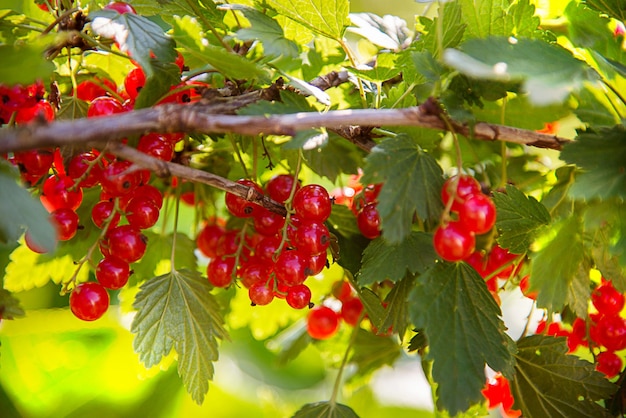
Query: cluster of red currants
x: 276, y: 260
x: 497, y: 391
x: 475, y: 214
x: 605, y: 331
x: 323, y: 322
x: 21, y: 104
x: 363, y: 202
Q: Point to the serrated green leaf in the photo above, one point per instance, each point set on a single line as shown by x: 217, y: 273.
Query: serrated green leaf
x: 28, y: 270
x: 451, y: 29
x: 325, y: 409
x: 160, y: 248
x: 518, y: 219
x: 550, y: 383
x: 462, y: 321
x: 554, y: 267
x: 265, y: 29
x: 397, y: 307
x: 549, y: 72
x: 9, y: 306
x: 72, y: 108
x: 325, y: 17
x: 384, y: 69
x: 177, y: 310
x: 337, y: 157
x: 601, y: 156
x: 342, y: 223
x: 371, y: 352
x: 189, y: 34
x: 19, y: 211
x: 27, y: 64
x: 595, y: 109
x: 372, y: 305
x: 412, y: 181
x: 521, y: 20
x: 484, y: 17
x: 579, y: 292
x: 383, y: 260
x: 418, y: 341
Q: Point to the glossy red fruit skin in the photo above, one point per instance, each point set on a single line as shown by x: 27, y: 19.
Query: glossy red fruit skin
x: 151, y: 192
x: 156, y: 146
x: 368, y: 221
x: 609, y: 363
x: 42, y: 109
x: 317, y: 263
x: 126, y: 243
x: 35, y: 162
x: 120, y: 7
x: 478, y: 213
x: 351, y: 311
x: 453, y: 242
x: 254, y: 272
x: 342, y: 290
x: 322, y: 322
x: 240, y: 207
x: 89, y: 90
x: 89, y: 301
x: 220, y: 271
x: 279, y: 187
x: 268, y: 223
x: 142, y: 212
x: 112, y: 273
x: 66, y: 222
x: 524, y: 286
x: 611, y: 332
x: 103, y: 106
x: 208, y: 238
x: 291, y: 268
x: 101, y: 211
x: 260, y: 293
x: 57, y: 193
x: 312, y: 202
x: 312, y: 238
x: 467, y: 186
x: 134, y: 82
x: 79, y: 165
x: 117, y: 181
x: 266, y: 249
x: 298, y: 296
x: 607, y: 300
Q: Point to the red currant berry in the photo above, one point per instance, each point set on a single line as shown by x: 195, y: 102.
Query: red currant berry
x: 524, y: 286
x: 268, y: 223
x: 298, y: 296
x: 279, y: 187
x: 102, y: 211
x: 239, y: 206
x: 609, y: 363
x: 453, y: 242
x: 478, y: 213
x: 120, y: 7
x: 208, y: 238
x: 266, y: 248
x: 611, y: 332
x: 317, y: 263
x: 368, y: 221
x: 134, y: 82
x: 89, y: 301
x: 291, y: 267
x: 35, y: 162
x: 79, y: 165
x: 66, y: 222
x: 59, y: 192
x: 151, y: 192
x: 254, y: 272
x: 466, y: 186
x: 113, y: 273
x: 607, y: 300
x: 312, y: 238
x: 312, y: 202
x: 126, y: 243
x: 89, y: 90
x: 260, y: 293
x: 342, y: 290
x: 228, y: 243
x: 322, y: 322
x: 41, y: 110
x: 142, y: 212
x: 501, y: 260
x: 117, y: 180
x: 156, y: 146
x: 220, y: 271
x: 351, y: 311
x: 103, y: 106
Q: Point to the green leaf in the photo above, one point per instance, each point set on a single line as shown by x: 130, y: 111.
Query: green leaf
x: 384, y: 69
x: 337, y: 157
x: 177, y: 310
x: 27, y: 64
x: 9, y: 306
x: 521, y: 113
x: 371, y: 352
x: 550, y: 383
x: 614, y: 8
x: 554, y: 267
x: 451, y: 26
x: 325, y: 17
x: 325, y: 409
x: 601, y: 156
x: 462, y: 321
x: 595, y: 109
x: 309, y: 139
x: 19, y: 211
x: 518, y: 219
x: 548, y: 71
x: 266, y: 30
x: 72, y: 108
x: 188, y: 33
x: 342, y: 223
x: 161, y: 249
x: 484, y: 18
x: 147, y: 44
x: 521, y: 20
x: 412, y: 181
x: 397, y: 307
x: 383, y: 260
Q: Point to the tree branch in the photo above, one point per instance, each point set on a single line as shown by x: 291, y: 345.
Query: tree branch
x: 203, y: 119
x: 165, y: 169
